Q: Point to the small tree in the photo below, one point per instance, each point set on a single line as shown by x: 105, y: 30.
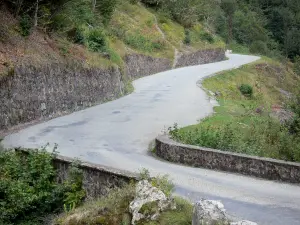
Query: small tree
x: 229, y: 7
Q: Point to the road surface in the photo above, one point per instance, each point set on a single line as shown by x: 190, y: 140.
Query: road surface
x: 118, y: 133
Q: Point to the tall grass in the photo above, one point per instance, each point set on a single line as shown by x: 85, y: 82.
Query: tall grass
x: 246, y: 124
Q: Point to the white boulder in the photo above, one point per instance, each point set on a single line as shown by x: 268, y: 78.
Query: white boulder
x: 149, y: 201
x: 208, y: 212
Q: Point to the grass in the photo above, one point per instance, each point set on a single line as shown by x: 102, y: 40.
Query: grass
x: 244, y: 124
x: 202, y: 39
x: 237, y: 48
x: 114, y: 208
x: 134, y: 25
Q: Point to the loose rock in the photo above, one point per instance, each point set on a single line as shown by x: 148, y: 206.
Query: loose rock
x: 208, y: 212
x: 149, y: 201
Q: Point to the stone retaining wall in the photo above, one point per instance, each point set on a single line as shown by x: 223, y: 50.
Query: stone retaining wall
x: 138, y: 65
x: 271, y: 169
x: 33, y: 93
x: 97, y: 180
x: 201, y: 57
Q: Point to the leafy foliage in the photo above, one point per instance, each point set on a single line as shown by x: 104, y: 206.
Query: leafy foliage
x: 294, y: 124
x: 297, y: 65
x: 114, y: 208
x: 74, y: 194
x: 96, y: 40
x: 28, y: 186
x: 163, y: 183
x: 246, y: 89
x: 187, y: 38
x: 261, y: 137
x: 248, y: 125
x: 141, y: 42
x: 25, y: 25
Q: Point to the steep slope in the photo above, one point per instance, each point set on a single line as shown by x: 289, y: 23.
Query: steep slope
x: 53, y: 72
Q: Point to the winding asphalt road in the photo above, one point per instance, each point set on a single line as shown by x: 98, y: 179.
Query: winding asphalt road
x: 117, y: 134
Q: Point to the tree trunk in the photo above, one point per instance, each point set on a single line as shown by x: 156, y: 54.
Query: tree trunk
x: 229, y: 29
x: 19, y: 6
x: 36, y: 13
x: 94, y: 3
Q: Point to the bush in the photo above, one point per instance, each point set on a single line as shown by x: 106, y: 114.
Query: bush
x: 25, y: 25
x: 207, y: 37
x: 263, y: 137
x: 187, y: 38
x: 106, y: 9
x: 96, y: 40
x: 76, y: 35
x: 258, y: 47
x: 294, y: 124
x: 246, y: 90
x: 134, y: 2
x: 79, y: 37
x: 297, y: 65
x: 28, y: 187
x: 143, y: 43
x: 114, y: 209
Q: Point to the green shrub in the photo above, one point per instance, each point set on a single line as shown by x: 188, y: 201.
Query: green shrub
x: 73, y: 14
x: 297, y: 65
x: 76, y: 35
x: 144, y: 174
x: 106, y: 9
x: 134, y: 2
x: 259, y: 47
x: 79, y: 36
x: 294, y: 124
x: 110, y: 209
x: 246, y: 90
x: 238, y: 48
x: 25, y: 25
x: 207, y: 37
x: 27, y: 183
x: 164, y: 184
x: 187, y: 38
x: 28, y: 187
x: 262, y: 136
x: 74, y: 194
x: 96, y: 40
x: 143, y: 43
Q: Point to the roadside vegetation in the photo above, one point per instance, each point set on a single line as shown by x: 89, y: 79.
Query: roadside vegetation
x: 94, y: 33
x: 258, y: 112
x: 29, y: 191
x: 114, y: 208
x: 30, y: 194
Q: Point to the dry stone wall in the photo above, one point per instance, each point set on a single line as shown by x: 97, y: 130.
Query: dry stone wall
x: 97, y: 180
x: 200, y: 57
x: 138, y: 65
x: 271, y: 169
x: 33, y: 93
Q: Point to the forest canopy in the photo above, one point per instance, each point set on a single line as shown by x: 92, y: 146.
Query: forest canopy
x: 269, y: 27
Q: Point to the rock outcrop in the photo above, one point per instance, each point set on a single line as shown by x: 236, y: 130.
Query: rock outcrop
x: 208, y: 212
x: 149, y: 202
